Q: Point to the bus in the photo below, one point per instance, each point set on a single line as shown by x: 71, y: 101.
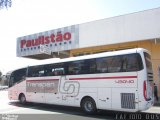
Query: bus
x: 117, y: 80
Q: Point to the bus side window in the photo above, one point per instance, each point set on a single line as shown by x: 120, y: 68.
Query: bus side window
x: 102, y: 65
x: 78, y: 67
x: 59, y: 71
x: 109, y: 64
x: 49, y: 70
x: 53, y: 71
x: 114, y: 64
x: 71, y: 69
x: 90, y: 66
x: 36, y: 71
x: 132, y: 63
x: 41, y: 73
x: 124, y: 64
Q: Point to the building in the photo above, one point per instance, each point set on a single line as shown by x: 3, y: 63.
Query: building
x: 140, y: 29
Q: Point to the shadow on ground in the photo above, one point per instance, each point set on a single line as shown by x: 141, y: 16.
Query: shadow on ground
x: 103, y: 114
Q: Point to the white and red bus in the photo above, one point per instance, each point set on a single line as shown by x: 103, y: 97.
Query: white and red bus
x: 119, y: 80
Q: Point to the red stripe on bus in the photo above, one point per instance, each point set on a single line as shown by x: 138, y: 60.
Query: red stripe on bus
x: 41, y: 80
x: 88, y: 78
x: 95, y: 78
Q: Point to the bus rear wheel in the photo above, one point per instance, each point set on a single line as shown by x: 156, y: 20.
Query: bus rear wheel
x: 89, y: 106
x: 22, y: 99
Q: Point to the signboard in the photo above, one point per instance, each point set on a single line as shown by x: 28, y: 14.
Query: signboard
x: 45, y: 49
x: 56, y: 40
x: 41, y: 86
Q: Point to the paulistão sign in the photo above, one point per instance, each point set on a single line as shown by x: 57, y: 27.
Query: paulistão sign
x: 56, y: 40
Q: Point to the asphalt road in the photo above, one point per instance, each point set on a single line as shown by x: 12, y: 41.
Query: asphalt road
x: 13, y: 110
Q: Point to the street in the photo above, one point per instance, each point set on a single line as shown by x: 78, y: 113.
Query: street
x: 10, y: 110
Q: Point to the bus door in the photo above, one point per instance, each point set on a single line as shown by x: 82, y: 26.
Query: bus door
x: 15, y: 83
x: 13, y: 87
x: 13, y: 91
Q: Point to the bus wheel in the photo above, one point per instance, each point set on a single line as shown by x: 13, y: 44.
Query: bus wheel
x: 88, y: 105
x: 22, y: 99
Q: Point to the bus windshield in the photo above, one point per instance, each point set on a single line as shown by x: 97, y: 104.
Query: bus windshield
x: 17, y: 76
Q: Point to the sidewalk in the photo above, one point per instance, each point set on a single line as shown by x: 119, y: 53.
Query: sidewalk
x: 155, y: 109
x: 157, y: 103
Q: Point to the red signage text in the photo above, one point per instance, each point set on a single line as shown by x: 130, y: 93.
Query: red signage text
x: 46, y: 40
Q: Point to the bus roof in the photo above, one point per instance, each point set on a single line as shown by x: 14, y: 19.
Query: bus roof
x: 104, y: 54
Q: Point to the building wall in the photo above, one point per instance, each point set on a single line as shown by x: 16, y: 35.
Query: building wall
x: 126, y: 28
x: 121, y: 29
x: 150, y: 45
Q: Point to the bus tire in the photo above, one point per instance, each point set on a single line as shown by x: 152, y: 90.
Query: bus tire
x: 88, y: 105
x: 22, y: 99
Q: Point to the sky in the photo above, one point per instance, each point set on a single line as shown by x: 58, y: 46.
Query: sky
x: 33, y: 16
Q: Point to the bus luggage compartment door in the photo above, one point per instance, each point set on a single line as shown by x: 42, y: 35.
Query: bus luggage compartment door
x: 104, y: 98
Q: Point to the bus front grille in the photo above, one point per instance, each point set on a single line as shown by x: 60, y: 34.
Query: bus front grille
x: 128, y: 100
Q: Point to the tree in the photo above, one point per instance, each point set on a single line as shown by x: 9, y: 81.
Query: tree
x: 5, y: 4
